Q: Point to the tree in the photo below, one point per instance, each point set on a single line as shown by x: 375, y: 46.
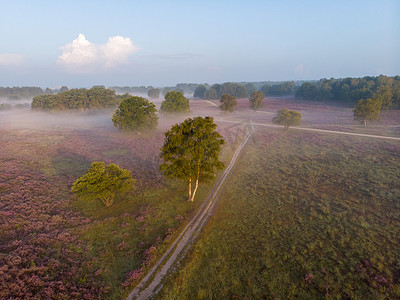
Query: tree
x: 228, y: 103
x: 103, y: 182
x: 367, y: 110
x: 135, y: 113
x: 199, y: 91
x: 154, y: 93
x: 64, y: 89
x: 175, y: 102
x: 287, y: 118
x: 256, y: 100
x: 251, y: 88
x: 384, y: 95
x: 190, y: 151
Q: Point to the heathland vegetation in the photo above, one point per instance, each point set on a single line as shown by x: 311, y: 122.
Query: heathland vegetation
x: 86, y: 210
x: 303, y: 216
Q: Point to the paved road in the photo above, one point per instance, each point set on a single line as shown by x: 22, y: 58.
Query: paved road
x: 151, y: 283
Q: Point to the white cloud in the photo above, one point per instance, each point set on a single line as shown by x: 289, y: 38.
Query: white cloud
x: 83, y: 56
x: 10, y: 59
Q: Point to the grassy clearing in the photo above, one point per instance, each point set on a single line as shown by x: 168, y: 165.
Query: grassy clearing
x: 303, y: 216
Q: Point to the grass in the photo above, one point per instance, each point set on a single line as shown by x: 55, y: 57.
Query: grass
x: 303, y: 216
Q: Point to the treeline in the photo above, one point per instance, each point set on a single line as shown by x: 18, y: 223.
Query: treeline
x: 17, y: 93
x: 185, y: 88
x: 351, y: 90
x: 239, y: 90
x: 98, y: 97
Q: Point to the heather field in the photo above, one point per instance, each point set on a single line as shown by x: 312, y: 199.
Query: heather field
x: 53, y: 245
x: 304, y: 216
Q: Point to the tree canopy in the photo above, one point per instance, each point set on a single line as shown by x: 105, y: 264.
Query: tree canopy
x: 17, y: 93
x: 175, y: 102
x: 228, y: 103
x: 367, y: 110
x: 280, y: 89
x: 287, y: 118
x: 256, y: 100
x: 103, y: 182
x: 216, y: 91
x: 135, y: 113
x: 95, y: 98
x: 199, y: 91
x: 154, y: 93
x: 351, y: 90
x: 191, y: 150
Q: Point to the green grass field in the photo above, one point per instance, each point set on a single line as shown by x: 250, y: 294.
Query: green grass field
x: 302, y: 216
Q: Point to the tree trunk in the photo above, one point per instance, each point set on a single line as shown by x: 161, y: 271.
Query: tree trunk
x: 190, y: 189
x: 365, y: 123
x: 197, y: 181
x: 108, y: 200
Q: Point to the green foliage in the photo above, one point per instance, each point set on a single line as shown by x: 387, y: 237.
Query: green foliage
x: 228, y: 103
x: 175, y: 102
x: 287, y: 118
x: 191, y: 150
x: 256, y: 100
x: 280, y: 89
x: 17, y: 93
x: 199, y: 91
x: 350, y: 90
x: 154, y: 93
x: 367, y: 110
x: 135, y: 113
x: 95, y: 98
x: 234, y: 89
x: 251, y: 88
x: 103, y: 182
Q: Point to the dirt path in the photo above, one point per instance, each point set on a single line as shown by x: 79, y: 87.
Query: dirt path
x: 151, y: 283
x: 315, y: 130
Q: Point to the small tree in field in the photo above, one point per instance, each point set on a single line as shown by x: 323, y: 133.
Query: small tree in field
x: 228, y: 103
x: 287, y: 118
x: 103, y: 182
x: 175, y: 102
x: 256, y: 100
x: 135, y: 113
x: 190, y: 152
x: 367, y: 110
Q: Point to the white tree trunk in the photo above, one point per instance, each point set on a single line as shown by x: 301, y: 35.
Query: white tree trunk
x: 197, y: 181
x: 195, y: 189
x: 190, y: 190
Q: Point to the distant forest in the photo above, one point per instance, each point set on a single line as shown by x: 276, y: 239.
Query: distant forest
x: 27, y: 92
x: 351, y: 90
x: 344, y: 90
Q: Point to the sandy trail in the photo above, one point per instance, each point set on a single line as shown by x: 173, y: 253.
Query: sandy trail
x: 151, y: 283
x: 314, y: 130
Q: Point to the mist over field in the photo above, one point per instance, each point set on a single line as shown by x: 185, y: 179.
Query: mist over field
x: 200, y: 150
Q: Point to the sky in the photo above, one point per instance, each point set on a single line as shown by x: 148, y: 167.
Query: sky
x: 162, y: 43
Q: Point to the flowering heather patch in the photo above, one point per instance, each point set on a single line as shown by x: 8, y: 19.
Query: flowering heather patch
x: 56, y: 246
x: 38, y: 256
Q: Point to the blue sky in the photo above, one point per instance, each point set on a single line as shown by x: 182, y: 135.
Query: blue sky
x: 160, y: 43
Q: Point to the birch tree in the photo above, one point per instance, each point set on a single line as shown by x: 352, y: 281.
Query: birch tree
x: 190, y: 152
